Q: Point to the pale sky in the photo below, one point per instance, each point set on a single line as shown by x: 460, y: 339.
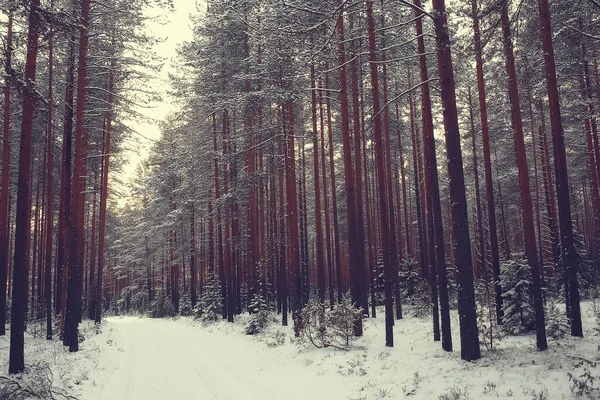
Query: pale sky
x: 175, y: 31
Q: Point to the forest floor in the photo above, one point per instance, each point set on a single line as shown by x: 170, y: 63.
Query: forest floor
x: 179, y: 359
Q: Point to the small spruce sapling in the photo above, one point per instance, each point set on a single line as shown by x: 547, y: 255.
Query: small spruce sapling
x: 518, y: 302
x: 259, y: 315
x: 210, y: 307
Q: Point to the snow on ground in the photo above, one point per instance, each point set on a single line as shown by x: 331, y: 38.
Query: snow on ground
x: 140, y: 358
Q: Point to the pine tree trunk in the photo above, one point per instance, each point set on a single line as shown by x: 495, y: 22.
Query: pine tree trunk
x: 432, y: 189
x: 49, y: 191
x: 328, y: 233
x: 568, y: 251
x: 4, y: 215
x: 487, y: 163
x: 23, y: 212
x: 334, y: 208
x: 320, y: 264
x: 355, y: 263
x: 104, y: 195
x: 381, y: 187
x: 469, y: 336
x: 526, y: 203
x: 480, y: 261
x: 362, y: 266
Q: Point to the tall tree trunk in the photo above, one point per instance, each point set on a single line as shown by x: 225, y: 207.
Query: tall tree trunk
x: 320, y: 264
x: 49, y: 191
x: 469, y: 336
x: 526, y: 203
x: 76, y: 261
x: 104, y: 194
x: 381, y: 187
x: 193, y: 259
x: 4, y: 215
x: 328, y: 234
x: 392, y: 232
x: 432, y: 187
x: 23, y: 212
x: 364, y: 287
x: 480, y: 270
x: 336, y: 230
x: 487, y: 163
x: 355, y: 263
x: 569, y: 252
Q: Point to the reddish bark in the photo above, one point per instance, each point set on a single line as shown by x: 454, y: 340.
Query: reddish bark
x: 469, y: 337
x: 320, y: 264
x: 23, y: 211
x: 568, y: 251
x: 392, y: 232
x: 487, y: 163
x: 49, y: 192
x: 480, y: 261
x: 4, y: 215
x: 432, y: 188
x: 381, y: 187
x: 526, y: 203
x: 356, y: 127
x: 104, y: 195
x: 336, y: 230
x: 355, y: 263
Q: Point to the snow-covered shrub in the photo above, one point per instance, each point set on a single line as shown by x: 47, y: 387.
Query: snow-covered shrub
x: 162, y: 307
x: 276, y: 339
x: 324, y: 327
x: 419, y: 304
x: 185, y: 307
x: 35, y: 383
x: 244, y: 300
x: 310, y: 323
x: 557, y: 323
x: 341, y: 319
x: 210, y: 306
x: 587, y: 274
x: 489, y: 331
x: 259, y: 315
x: 519, y: 316
x: 139, y: 301
x: 583, y: 385
x: 409, y: 280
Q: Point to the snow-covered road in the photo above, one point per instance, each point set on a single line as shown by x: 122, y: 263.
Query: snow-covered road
x: 163, y: 359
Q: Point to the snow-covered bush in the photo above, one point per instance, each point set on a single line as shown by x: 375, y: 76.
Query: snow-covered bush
x: 419, y: 304
x: 310, y: 323
x: 557, y: 323
x: 341, y: 319
x: 185, y: 307
x: 519, y: 316
x: 210, y: 306
x: 162, y: 307
x: 324, y: 327
x: 259, y: 314
x: 139, y: 301
x: 489, y: 331
x: 36, y: 383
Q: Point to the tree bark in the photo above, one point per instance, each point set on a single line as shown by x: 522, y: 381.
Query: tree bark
x: 432, y: 189
x: 23, y: 212
x: 4, y: 215
x: 381, y: 187
x: 487, y: 163
x: 526, y: 203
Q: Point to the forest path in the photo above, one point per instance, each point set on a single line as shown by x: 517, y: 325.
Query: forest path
x: 164, y: 359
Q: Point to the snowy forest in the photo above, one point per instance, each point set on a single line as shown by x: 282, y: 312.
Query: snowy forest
x: 401, y: 196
